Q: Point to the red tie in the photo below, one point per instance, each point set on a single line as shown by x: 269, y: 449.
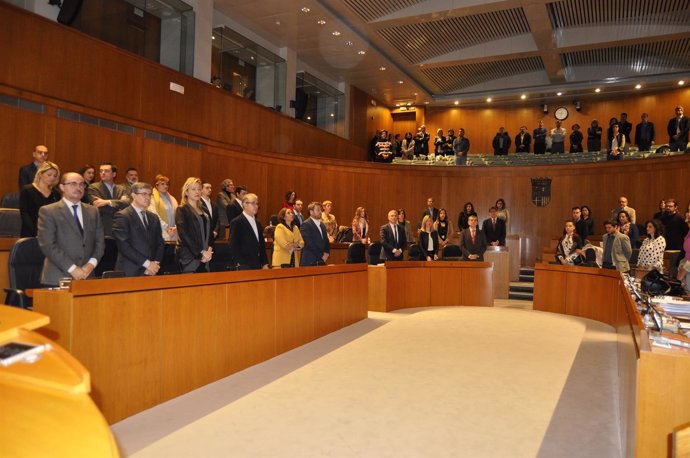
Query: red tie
x: 472, y: 236
x: 493, y: 224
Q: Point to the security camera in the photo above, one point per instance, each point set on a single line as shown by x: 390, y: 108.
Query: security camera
x: 578, y: 105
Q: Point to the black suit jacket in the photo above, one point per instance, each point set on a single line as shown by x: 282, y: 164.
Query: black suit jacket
x: 233, y: 210
x: 315, y: 243
x: 492, y: 234
x: 468, y: 247
x: 190, y: 236
x: 525, y: 145
x: 135, y: 243
x: 424, y: 243
x: 215, y: 219
x: 99, y: 190
x: 388, y: 243
x: 426, y: 212
x: 27, y: 174
x: 684, y: 129
x: 245, y: 249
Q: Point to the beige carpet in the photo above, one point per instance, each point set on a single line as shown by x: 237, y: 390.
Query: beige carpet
x: 472, y: 382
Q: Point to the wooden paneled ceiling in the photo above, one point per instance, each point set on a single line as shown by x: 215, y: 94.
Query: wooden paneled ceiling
x: 440, y: 51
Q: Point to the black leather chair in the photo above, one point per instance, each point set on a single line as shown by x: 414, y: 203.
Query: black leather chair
x: 25, y: 266
x: 221, y: 260
x: 10, y: 222
x: 414, y: 253
x: 375, y: 253
x: 356, y: 253
x: 169, y: 264
x: 452, y: 253
x: 10, y: 200
x: 109, y: 258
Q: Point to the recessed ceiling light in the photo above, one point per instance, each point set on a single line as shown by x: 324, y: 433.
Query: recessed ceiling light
x: 336, y: 33
x: 597, y: 90
x: 308, y: 118
x: 332, y: 115
x: 361, y: 53
x: 638, y: 86
x: 559, y: 94
x: 457, y: 102
x: 348, y: 43
x: 426, y: 103
x: 681, y: 83
x: 400, y: 82
x: 415, y: 94
x: 523, y: 97
x: 305, y: 10
x: 321, y: 22
x: 397, y: 104
x: 382, y: 68
x: 489, y: 99
x: 409, y: 104
x: 212, y: 37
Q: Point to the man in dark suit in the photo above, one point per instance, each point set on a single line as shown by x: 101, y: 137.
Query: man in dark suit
x: 138, y: 235
x: 523, y: 141
x: 108, y: 197
x: 580, y: 224
x: 224, y: 198
x: 430, y: 210
x: 494, y: 229
x: 472, y: 241
x: 211, y: 209
x: 70, y: 234
x: 246, y: 245
x: 234, y: 209
x: 317, y: 248
x: 678, y: 129
x: 28, y: 171
x: 501, y: 142
x: 393, y: 239
x: 299, y: 219
x: 644, y: 134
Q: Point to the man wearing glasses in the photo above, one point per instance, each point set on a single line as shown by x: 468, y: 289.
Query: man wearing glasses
x: 247, y: 247
x: 70, y: 234
x: 28, y: 171
x: 138, y: 234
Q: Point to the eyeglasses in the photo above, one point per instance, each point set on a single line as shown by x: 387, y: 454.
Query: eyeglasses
x: 42, y: 153
x: 145, y: 194
x: 80, y: 184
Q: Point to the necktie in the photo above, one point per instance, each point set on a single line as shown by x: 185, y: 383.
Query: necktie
x: 493, y: 224
x: 395, y: 234
x: 76, y: 219
x: 472, y: 236
x: 144, y: 219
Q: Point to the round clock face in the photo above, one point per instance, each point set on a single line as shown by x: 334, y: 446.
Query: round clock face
x: 561, y: 113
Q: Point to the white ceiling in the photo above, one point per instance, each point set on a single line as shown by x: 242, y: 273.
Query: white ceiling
x: 467, y: 50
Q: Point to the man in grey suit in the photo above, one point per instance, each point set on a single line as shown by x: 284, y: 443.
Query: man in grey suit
x: 393, y: 239
x: 138, y: 235
x: 317, y: 248
x: 108, y: 197
x: 70, y: 234
x: 617, y: 248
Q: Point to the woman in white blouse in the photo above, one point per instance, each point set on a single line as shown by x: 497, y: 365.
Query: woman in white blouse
x: 569, y: 246
x: 428, y: 240
x: 652, y: 250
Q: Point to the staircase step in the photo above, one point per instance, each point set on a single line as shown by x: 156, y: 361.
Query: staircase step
x: 522, y: 289
x: 520, y: 296
x: 527, y: 270
x: 527, y: 278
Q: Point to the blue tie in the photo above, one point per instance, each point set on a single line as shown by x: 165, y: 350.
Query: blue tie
x: 76, y: 219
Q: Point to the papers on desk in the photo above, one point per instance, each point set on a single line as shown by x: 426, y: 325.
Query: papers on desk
x: 673, y: 306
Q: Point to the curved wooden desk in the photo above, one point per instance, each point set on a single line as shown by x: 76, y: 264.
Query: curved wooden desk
x: 407, y: 284
x: 46, y: 409
x: 147, y: 340
x: 653, y: 389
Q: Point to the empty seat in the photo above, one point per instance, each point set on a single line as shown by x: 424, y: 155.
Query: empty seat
x: 109, y: 258
x: 452, y: 253
x: 25, y: 265
x: 10, y: 200
x: 356, y: 253
x: 10, y: 222
x: 375, y: 253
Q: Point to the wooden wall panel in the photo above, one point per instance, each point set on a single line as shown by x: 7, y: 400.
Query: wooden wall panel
x: 550, y: 296
x: 355, y: 297
x: 20, y: 132
x: 194, y: 327
x: 328, y: 304
x: 584, y: 295
x: 446, y: 287
x: 133, y: 321
x: 294, y: 313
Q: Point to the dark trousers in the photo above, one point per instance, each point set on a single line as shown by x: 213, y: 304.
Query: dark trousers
x: 558, y: 147
x: 539, y: 148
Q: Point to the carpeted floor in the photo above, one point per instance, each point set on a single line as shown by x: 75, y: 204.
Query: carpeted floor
x: 453, y: 381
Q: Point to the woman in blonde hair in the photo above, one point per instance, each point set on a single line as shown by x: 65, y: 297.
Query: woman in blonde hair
x: 328, y: 220
x: 287, y: 240
x: 360, y: 226
x: 194, y: 250
x: 428, y: 240
x: 43, y: 191
x: 164, y: 205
